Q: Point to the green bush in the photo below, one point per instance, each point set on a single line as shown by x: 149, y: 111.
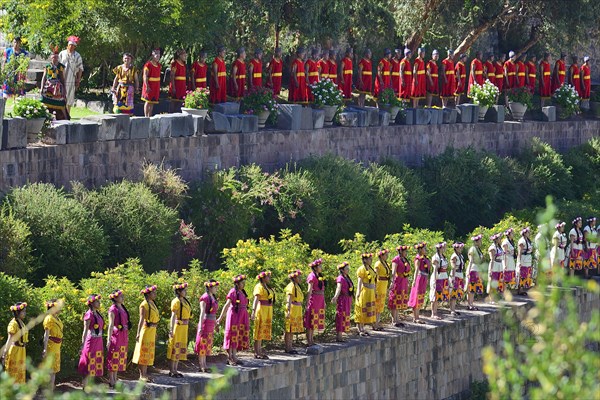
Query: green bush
x: 584, y: 162
x: 15, y: 245
x: 67, y: 240
x: 165, y: 183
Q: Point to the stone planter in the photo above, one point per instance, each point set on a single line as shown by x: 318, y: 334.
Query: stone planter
x: 517, y: 110
x: 393, y: 110
x: 34, y: 128
x: 595, y: 108
x: 263, y: 116
x: 329, y: 114
x: 195, y: 111
x: 482, y: 111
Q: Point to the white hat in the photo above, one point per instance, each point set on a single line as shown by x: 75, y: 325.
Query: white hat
x: 406, y: 51
x: 586, y: 58
x: 435, y: 52
x: 511, y: 53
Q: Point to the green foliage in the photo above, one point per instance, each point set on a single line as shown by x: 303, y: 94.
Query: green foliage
x: 31, y: 109
x: 521, y: 95
x: 479, y: 390
x: 165, y: 183
x: 197, y: 99
x: 13, y: 72
x: 326, y: 93
x: 259, y: 99
x: 485, y: 95
x: 584, y: 162
x: 568, y: 99
x: 389, y: 97
x: 15, y: 245
x: 67, y: 240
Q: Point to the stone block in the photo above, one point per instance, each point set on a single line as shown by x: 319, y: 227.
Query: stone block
x: 83, y: 132
x: 14, y: 133
x: 371, y: 117
x: 318, y: 119
x: 407, y: 117
x: 249, y: 123
x: 449, y: 115
x: 307, y: 123
x: 112, y: 126
x: 315, y: 349
x: 139, y: 128
x: 98, y: 106
x: 228, y: 108
x: 154, y: 128
x: 465, y: 113
x: 384, y: 118
x: 198, y: 124
x: 57, y: 133
x: 495, y: 114
x: 290, y: 117
x: 182, y: 125
x: 422, y: 116
x: 348, y: 119
x: 549, y: 113
x: 216, y: 123
x: 362, y: 116
x: 474, y: 112
x: 235, y: 123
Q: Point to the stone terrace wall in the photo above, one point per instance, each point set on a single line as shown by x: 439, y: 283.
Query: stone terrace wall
x: 96, y: 162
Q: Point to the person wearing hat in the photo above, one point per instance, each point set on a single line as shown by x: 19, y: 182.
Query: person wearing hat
x: 298, y: 89
x: 495, y: 271
x: 473, y: 282
x: 53, y: 337
x: 145, y: 338
x: 531, y: 73
x: 238, y: 75
x: 383, y: 271
x: 499, y: 68
x: 586, y: 82
x: 559, y: 243
x: 126, y: 84
x: 433, y: 85
x: 574, y: 78
x: 509, y: 260
x: 419, y: 87
x: 460, y: 73
x: 262, y: 312
x: 395, y: 71
x: 590, y: 238
x: 53, y: 87
x: 525, y: 262
x: 151, y: 82
x: 559, y: 73
x: 457, y: 277
x: 323, y: 65
x: 344, y: 293
x: 314, y: 317
x: 364, y: 305
x: 406, y: 76
x: 117, y: 339
x: 346, y: 70
x: 448, y: 79
x: 438, y: 282
x: 420, y: 280
x: 510, y: 72
x: 255, y: 67
x: 293, y: 310
x: 199, y: 71
x: 181, y: 314
x: 91, y: 361
x: 218, y: 78
x: 476, y: 73
x: 398, y: 298
x: 489, y: 69
x: 207, y: 323
x: 73, y: 63
x: 333, y: 68
x: 14, y: 356
x: 576, y: 246
x: 384, y: 69
x: 545, y: 81
x: 275, y: 68
x: 365, y: 77
x: 521, y: 72
x: 237, y: 321
x: 312, y: 71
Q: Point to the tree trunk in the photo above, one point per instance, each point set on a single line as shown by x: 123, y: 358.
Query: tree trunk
x: 534, y: 37
x: 414, y: 41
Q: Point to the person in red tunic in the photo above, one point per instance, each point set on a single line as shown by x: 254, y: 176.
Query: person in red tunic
x: 559, y: 73
x: 365, y: 77
x: 500, y: 72
x: 476, y: 74
x: 384, y: 69
x: 448, y: 80
x: 238, y: 75
x: 545, y: 82
x: 419, y: 89
x: 510, y: 72
x: 323, y: 65
x: 586, y: 82
x: 151, y: 82
x: 433, y: 87
x: 406, y: 76
x: 218, y: 78
x: 199, y: 71
x: 275, y: 68
x: 574, y: 77
x: 460, y: 73
x: 333, y: 69
x: 298, y: 92
x: 489, y: 69
x: 178, y: 84
x: 255, y: 66
x: 395, y: 62
x: 346, y: 70
x: 312, y: 71
x: 531, y: 73
x: 521, y: 72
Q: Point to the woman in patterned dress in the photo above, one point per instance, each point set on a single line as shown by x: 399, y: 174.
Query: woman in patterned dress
x: 559, y: 242
x: 525, y: 262
x: 509, y: 260
x: 473, y: 283
x: 237, y: 321
x: 383, y: 271
x: 91, y: 362
x: 398, y: 297
x: 590, y: 237
x: 293, y: 310
x: 53, y: 336
x: 181, y: 313
x: 576, y: 247
x: 145, y: 339
x: 457, y: 277
x: 419, y: 287
x: 14, y: 355
x: 207, y: 323
x: 314, y: 316
x: 438, y: 282
x: 364, y: 306
x: 125, y: 85
x: 262, y: 312
x: 495, y: 273
x: 53, y: 87
x: 343, y: 300
x: 117, y: 341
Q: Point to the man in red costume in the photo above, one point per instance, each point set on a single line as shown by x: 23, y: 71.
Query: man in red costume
x: 448, y: 80
x: 333, y: 68
x: 531, y: 73
x: 521, y: 72
x: 255, y: 67
x: 395, y: 63
x: 406, y: 76
x: 365, y: 77
x: 489, y: 69
x: 510, y: 72
x: 151, y: 82
x: 238, y: 75
x: 346, y: 70
x: 586, y: 82
x: 559, y: 73
x: 499, y: 64
x: 199, y: 71
x: 460, y: 73
x: 324, y: 65
x: 275, y: 69
x: 312, y: 71
x: 178, y: 84
x: 433, y: 87
x: 384, y: 68
x: 419, y: 89
x: 545, y: 82
x: 574, y: 76
x: 298, y: 91
x: 476, y: 74
x: 218, y: 78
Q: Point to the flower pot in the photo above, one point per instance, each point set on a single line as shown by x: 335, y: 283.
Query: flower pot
x: 393, y: 110
x: 34, y: 127
x: 195, y: 111
x: 482, y: 111
x: 517, y: 110
x: 263, y: 116
x: 329, y: 114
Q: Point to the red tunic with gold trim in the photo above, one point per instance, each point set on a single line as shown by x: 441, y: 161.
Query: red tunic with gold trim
x: 586, y: 82
x: 531, y: 75
x: 385, y: 66
x: 276, y: 71
x: 460, y: 72
x: 405, y: 90
x: 313, y: 76
x: 366, y: 76
x: 575, y: 78
x: 323, y: 66
x: 476, y: 75
x: 511, y: 74
x: 499, y: 76
x: 490, y: 71
x: 239, y: 78
x: 449, y: 87
x: 346, y: 81
x: 218, y: 95
x: 432, y: 68
x: 419, y: 88
x: 199, y: 74
x: 560, y: 72
x: 298, y: 93
x: 179, y: 88
x: 395, y: 75
x: 333, y: 71
x: 545, y: 80
x: 151, y: 91
x: 521, y: 71
x: 256, y: 72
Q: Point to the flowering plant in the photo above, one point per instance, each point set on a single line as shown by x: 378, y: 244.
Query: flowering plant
x: 196, y: 99
x: 326, y: 93
x: 484, y: 95
x: 31, y: 109
x: 568, y: 99
x: 389, y: 97
x: 521, y: 95
x: 259, y: 99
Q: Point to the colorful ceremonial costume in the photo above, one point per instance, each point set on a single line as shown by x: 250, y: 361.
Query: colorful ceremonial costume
x: 460, y: 72
x: 333, y: 71
x: 586, y: 82
x: 509, y: 265
x: 123, y: 97
x: 237, y: 322
x: 457, y: 282
x: 438, y: 282
x: 276, y: 71
x: 385, y: 67
x: 364, y: 308
x: 383, y: 271
x: 151, y: 90
x: 344, y: 302
x: 476, y: 75
x: 346, y: 81
x: 312, y: 67
x: 546, y: 89
x: 264, y: 311
x: 73, y: 65
x: 560, y: 72
x: 575, y: 78
x: 496, y: 282
x: 314, y: 317
x: 449, y: 87
x: 490, y: 71
x: 511, y: 74
x: 525, y: 264
x: 178, y: 88
x: 16, y: 354
x: 323, y: 66
x: 55, y: 329
x: 419, y: 287
x: 91, y: 361
x: 557, y: 253
x: 53, y: 92
x: 407, y: 76
x: 145, y: 347
x: 218, y: 95
x: 576, y: 253
x: 433, y: 88
x: 293, y: 324
x: 521, y: 71
x: 419, y: 89
x: 366, y: 76
x: 116, y: 357
x: 398, y: 297
x: 178, y: 344
x: 298, y: 92
x: 257, y: 78
x: 239, y: 78
x: 531, y: 69
x: 591, y: 255
x: 473, y: 283
x: 395, y: 81
x: 499, y: 76
x: 206, y: 329
x: 199, y: 73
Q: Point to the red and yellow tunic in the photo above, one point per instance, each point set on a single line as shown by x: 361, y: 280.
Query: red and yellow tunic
x: 521, y: 71
x: 460, y: 72
x: 333, y: 71
x: 346, y: 82
x: 575, y: 78
x: 256, y: 72
x: 510, y: 70
x: 298, y: 92
x: 323, y: 68
x: 384, y: 71
x: 586, y: 83
x: 395, y: 75
x: 560, y: 72
x: 178, y: 88
x: 366, y: 76
x: 405, y: 91
x: 276, y: 71
x: 199, y: 74
x: 312, y: 69
x: 448, y: 87
x: 531, y: 75
x: 476, y: 75
x: 151, y: 90
x: 218, y: 95
x: 545, y: 80
x: 432, y: 69
x: 499, y: 75
x: 238, y: 77
x: 419, y: 88
x: 490, y: 71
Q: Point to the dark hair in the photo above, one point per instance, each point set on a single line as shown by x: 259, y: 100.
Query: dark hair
x: 202, y: 53
x: 51, y: 301
x: 126, y: 54
x: 17, y: 39
x: 178, y: 53
x: 300, y: 50
x: 240, y: 51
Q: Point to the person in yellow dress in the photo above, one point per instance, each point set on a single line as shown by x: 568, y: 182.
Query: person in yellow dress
x: 262, y: 313
x: 181, y: 313
x: 145, y: 340
x: 14, y: 351
x: 53, y: 336
x: 293, y: 310
x: 364, y: 307
x: 383, y: 270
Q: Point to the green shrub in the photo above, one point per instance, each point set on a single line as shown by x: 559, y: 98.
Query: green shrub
x: 15, y: 245
x: 584, y: 162
x: 67, y: 240
x: 165, y: 183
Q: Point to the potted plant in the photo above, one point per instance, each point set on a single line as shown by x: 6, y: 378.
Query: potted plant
x: 36, y: 113
x: 328, y: 97
x: 519, y: 100
x: 595, y: 103
x: 566, y: 99
x: 196, y: 102
x: 260, y: 102
x: 388, y: 101
x: 485, y: 96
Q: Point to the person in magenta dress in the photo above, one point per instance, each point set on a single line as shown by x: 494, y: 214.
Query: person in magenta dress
x: 419, y: 288
x: 495, y: 269
x: 343, y: 300
x: 237, y: 321
x: 117, y: 341
x: 91, y: 361
x: 457, y: 277
x: 438, y: 283
x: 398, y: 297
x: 314, y: 317
x: 207, y: 324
